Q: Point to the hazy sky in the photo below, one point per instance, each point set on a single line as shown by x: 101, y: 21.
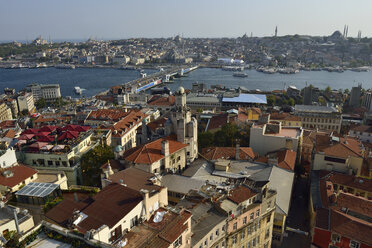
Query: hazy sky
x: 81, y: 19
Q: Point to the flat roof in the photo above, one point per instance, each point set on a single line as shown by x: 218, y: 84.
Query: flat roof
x: 315, y: 109
x: 37, y: 189
x: 247, y: 98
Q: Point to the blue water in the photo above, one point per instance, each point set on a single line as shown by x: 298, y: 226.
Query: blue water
x: 95, y: 80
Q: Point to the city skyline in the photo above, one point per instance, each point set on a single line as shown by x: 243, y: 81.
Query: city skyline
x: 69, y: 20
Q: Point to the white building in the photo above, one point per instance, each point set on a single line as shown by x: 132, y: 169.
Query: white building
x: 49, y: 92
x: 7, y: 158
x: 270, y: 137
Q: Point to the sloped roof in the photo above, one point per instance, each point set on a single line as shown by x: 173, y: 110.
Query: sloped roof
x: 343, y: 149
x: 151, y: 152
x: 162, y: 101
x: 240, y: 194
x: 20, y: 173
x: 109, y: 206
x: 214, y: 153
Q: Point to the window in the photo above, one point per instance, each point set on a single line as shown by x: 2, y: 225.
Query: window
x: 255, y: 227
x: 206, y: 242
x: 50, y: 162
x: 251, y: 216
x: 268, y: 219
x: 64, y: 163
x: 259, y: 224
x: 57, y: 163
x: 235, y: 226
x: 178, y: 158
x: 258, y: 212
x: 234, y: 240
x: 178, y: 242
x: 354, y: 244
x: 335, y: 237
x: 211, y: 237
x: 249, y: 230
x: 223, y: 228
x: 217, y: 232
x: 245, y: 220
x: 253, y: 242
x: 242, y: 235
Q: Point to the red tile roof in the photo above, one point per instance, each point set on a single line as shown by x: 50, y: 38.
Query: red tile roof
x: 10, y: 134
x: 347, y: 180
x: 217, y: 121
x: 287, y: 159
x: 8, y: 124
x: 172, y: 226
x: 240, y: 194
x: 109, y: 206
x: 162, y: 101
x: 151, y: 152
x: 343, y: 149
x: 121, y: 127
x: 20, y: 173
x: 135, y: 179
x: 107, y: 115
x: 159, y: 123
x: 351, y: 227
x: 214, y: 153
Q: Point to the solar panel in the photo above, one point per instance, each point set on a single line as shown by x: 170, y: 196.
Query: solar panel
x: 37, y: 189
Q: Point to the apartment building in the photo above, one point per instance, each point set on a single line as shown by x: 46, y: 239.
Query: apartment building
x: 319, y: 117
x: 276, y: 135
x: 26, y: 102
x: 5, y: 112
x: 50, y: 92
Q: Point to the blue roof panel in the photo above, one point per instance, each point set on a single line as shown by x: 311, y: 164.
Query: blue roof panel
x: 247, y: 98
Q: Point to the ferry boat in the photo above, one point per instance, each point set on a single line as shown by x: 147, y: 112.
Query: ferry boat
x: 78, y: 90
x: 65, y: 66
x: 232, y: 68
x: 240, y: 74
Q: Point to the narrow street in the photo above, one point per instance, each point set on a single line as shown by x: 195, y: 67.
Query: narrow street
x: 298, y: 216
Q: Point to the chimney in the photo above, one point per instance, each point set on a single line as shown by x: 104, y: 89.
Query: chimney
x: 76, y: 198
x: 237, y: 150
x: 145, y: 195
x: 165, y: 148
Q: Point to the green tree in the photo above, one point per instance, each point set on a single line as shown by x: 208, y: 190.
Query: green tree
x: 291, y: 101
x: 41, y: 103
x: 91, y: 163
x: 205, y: 139
x: 328, y: 89
x: 271, y: 100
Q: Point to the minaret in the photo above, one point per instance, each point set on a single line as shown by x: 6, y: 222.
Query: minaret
x: 276, y: 31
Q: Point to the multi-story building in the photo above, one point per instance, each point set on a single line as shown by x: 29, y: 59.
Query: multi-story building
x: 50, y: 92
x: 26, y: 102
x: 367, y: 100
x: 319, y: 117
x: 342, y: 154
x: 355, y: 96
x: 362, y: 132
x: 286, y: 119
x: 64, y: 155
x: 5, y: 112
x: 277, y: 136
x: 339, y: 218
x: 14, y: 219
x: 161, y: 155
x: 250, y: 209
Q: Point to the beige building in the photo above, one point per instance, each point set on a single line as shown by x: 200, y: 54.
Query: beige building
x: 5, y: 112
x: 15, y: 177
x: 161, y: 155
x: 14, y: 219
x: 250, y: 216
x: 341, y: 154
x: 319, y: 117
x: 154, y: 195
x: 26, y: 102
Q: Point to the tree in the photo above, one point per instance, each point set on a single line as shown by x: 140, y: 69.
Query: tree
x: 346, y: 91
x: 328, y: 89
x: 205, y: 139
x: 91, y: 163
x: 291, y: 101
x: 41, y: 103
x: 271, y: 100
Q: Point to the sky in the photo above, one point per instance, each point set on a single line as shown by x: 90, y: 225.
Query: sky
x: 114, y: 19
